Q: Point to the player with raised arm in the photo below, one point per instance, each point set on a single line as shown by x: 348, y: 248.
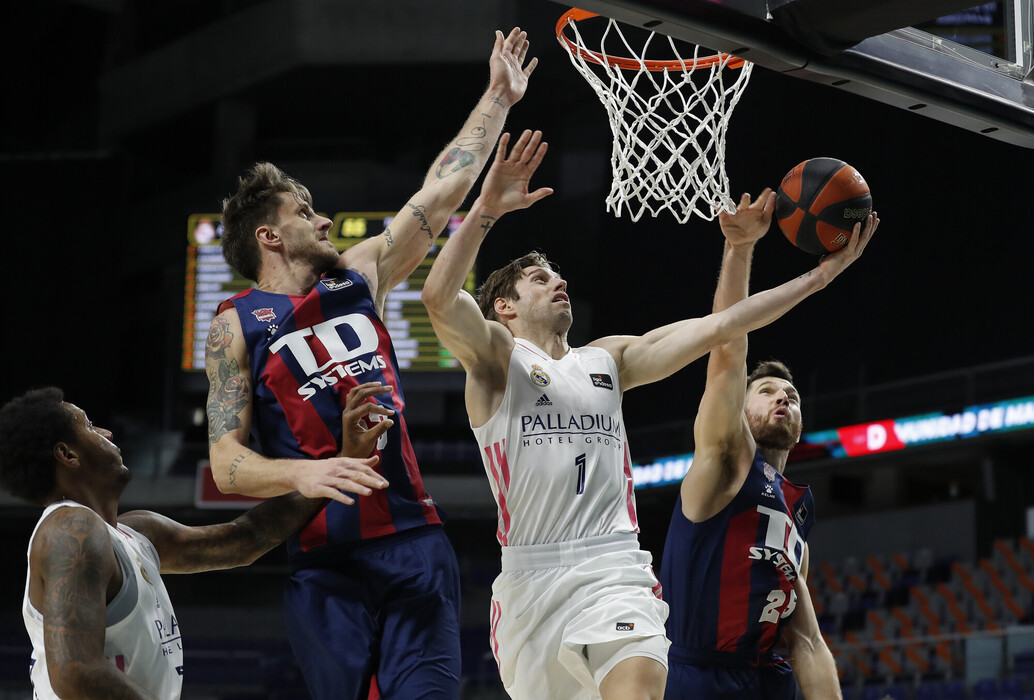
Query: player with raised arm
x: 576, y: 611
x: 736, y: 562
x: 95, y: 607
x: 374, y: 588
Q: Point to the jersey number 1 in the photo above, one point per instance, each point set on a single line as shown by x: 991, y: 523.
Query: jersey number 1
x: 579, y: 462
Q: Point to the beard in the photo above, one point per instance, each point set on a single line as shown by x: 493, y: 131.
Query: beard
x: 322, y: 258
x: 780, y: 435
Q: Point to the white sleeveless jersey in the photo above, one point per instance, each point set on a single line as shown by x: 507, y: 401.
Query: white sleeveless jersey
x: 142, y: 637
x: 555, y: 450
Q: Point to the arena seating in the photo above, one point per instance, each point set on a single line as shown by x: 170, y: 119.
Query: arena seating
x: 899, y: 625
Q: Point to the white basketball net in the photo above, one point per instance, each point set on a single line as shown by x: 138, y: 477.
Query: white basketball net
x: 669, y: 146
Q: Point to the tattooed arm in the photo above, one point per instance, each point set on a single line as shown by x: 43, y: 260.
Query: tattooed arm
x: 238, y: 469
x: 388, y: 259
x: 483, y: 347
x: 74, y: 574
x: 186, y: 550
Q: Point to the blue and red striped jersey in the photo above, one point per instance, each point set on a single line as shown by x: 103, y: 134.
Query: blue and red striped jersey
x: 729, y: 580
x: 306, y: 352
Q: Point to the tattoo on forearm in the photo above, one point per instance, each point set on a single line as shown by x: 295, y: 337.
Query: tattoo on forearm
x: 238, y: 461
x: 489, y: 221
x: 387, y: 236
x: 498, y: 101
x: 418, y: 211
x: 475, y: 142
x: 462, y: 154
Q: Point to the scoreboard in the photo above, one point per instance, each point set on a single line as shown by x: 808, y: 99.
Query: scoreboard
x: 210, y: 281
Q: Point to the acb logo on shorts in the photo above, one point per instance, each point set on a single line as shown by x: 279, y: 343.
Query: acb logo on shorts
x: 625, y: 626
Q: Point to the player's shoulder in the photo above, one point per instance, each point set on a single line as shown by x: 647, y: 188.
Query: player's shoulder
x: 613, y: 345
x: 72, y: 517
x: 229, y: 306
x: 72, y: 532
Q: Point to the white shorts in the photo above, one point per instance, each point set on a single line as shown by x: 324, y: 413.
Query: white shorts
x: 563, y: 615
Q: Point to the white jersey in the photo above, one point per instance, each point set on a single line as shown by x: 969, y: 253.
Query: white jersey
x: 555, y: 450
x: 142, y: 637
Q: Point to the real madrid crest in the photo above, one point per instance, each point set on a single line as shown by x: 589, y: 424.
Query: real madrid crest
x: 539, y: 376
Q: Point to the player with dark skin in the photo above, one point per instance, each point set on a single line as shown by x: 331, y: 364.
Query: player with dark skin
x: 74, y: 573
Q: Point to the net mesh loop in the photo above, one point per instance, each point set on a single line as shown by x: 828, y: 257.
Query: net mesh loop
x: 669, y: 120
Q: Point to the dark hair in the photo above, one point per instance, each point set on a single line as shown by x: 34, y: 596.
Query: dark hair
x: 30, y: 426
x: 255, y: 204
x: 770, y: 368
x: 502, y: 284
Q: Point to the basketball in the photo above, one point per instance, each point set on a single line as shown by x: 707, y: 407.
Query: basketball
x: 819, y: 202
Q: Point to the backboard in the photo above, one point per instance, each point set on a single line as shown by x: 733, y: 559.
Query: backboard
x: 961, y: 63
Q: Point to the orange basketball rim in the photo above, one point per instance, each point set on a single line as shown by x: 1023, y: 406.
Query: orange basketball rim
x: 576, y: 15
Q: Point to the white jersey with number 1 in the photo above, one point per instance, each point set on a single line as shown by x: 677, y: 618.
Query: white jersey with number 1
x: 555, y: 450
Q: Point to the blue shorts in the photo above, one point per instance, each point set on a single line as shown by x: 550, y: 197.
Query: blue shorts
x: 728, y: 681
x: 390, y: 609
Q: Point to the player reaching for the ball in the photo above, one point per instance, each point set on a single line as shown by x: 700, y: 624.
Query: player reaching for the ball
x: 735, y: 561
x: 574, y: 612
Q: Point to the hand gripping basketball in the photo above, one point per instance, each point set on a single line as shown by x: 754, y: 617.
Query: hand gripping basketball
x: 836, y: 262
x: 819, y: 202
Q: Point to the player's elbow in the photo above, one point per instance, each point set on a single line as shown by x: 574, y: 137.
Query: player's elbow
x: 222, y: 469
x: 224, y: 481
x: 437, y: 300
x: 71, y: 679
x: 432, y: 296
x: 720, y: 329
x: 803, y: 646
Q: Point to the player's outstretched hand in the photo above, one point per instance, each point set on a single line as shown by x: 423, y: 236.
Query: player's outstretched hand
x: 751, y: 220
x: 331, y: 478
x: 360, y: 431
x: 506, y: 185
x: 833, y: 264
x: 508, y: 74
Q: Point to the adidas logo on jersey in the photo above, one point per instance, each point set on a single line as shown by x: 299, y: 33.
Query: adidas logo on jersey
x: 543, y: 401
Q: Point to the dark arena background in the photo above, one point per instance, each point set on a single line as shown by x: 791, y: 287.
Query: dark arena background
x: 125, y: 122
